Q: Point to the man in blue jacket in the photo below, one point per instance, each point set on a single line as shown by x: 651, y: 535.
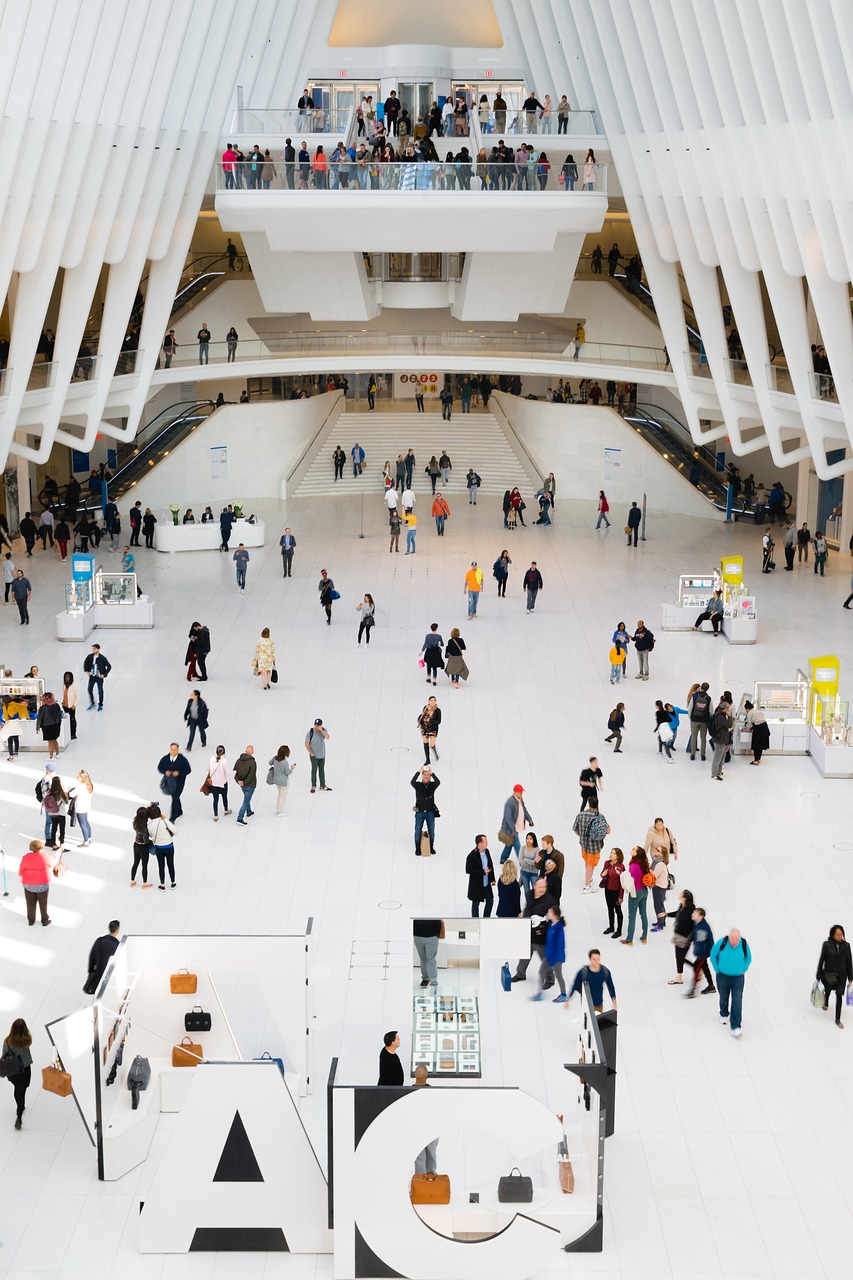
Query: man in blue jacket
x: 731, y: 957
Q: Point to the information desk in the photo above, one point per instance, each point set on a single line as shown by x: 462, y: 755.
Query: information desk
x: 206, y: 537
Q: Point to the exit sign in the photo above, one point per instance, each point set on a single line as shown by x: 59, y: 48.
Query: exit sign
x: 488, y: 74
x: 344, y: 72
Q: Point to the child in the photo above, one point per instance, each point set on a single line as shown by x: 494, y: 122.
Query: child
x: 703, y: 941
x: 616, y: 723
x: 617, y: 663
x: 511, y: 519
x: 555, y: 954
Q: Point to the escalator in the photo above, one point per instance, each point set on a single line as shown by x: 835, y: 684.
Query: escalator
x: 671, y: 439
x: 153, y: 443
x: 643, y: 294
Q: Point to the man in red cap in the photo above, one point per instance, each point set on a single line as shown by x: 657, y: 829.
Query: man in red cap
x: 516, y: 818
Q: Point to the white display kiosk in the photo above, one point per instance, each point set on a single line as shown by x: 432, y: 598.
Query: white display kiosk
x: 694, y: 591
x: 740, y: 614
x: 171, y: 537
x: 785, y: 704
x: 97, y: 598
x: 28, y: 691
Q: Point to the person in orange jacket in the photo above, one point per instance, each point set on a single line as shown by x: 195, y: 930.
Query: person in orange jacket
x: 441, y: 511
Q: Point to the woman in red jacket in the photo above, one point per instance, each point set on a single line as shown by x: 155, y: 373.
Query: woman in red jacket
x: 611, y: 883
x: 35, y: 872
x: 603, y: 508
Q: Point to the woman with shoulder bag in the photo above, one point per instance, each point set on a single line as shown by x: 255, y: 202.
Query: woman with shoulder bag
x: 81, y: 804
x: 278, y: 776
x: 660, y: 871
x: 835, y: 969
x: 141, y: 847
x: 56, y: 807
x: 367, y: 609
x: 49, y: 724
x: 219, y: 771
x: 456, y: 665
x: 16, y: 1047
x: 611, y: 883
x: 429, y: 723
x: 635, y: 882
x: 161, y: 833
x: 682, y: 933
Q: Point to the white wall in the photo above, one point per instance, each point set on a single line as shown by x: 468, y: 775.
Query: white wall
x: 610, y: 316
x: 231, y: 302
x: 570, y: 441
x: 264, y: 443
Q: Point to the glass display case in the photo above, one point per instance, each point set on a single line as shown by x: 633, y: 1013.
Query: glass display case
x: 785, y: 704
x: 20, y: 699
x: 22, y: 691
x: 115, y: 588
x: 695, y: 589
x: 830, y: 713
x: 79, y: 596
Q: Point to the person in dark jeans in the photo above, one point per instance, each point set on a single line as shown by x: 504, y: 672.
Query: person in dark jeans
x: 481, y: 877
x: 200, y: 637
x: 174, y: 768
x: 17, y: 1046
x: 425, y: 784
x: 633, y: 523
x: 835, y: 969
x: 160, y: 833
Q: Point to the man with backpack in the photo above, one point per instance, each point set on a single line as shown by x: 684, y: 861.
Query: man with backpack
x: 591, y: 829
x: 700, y: 718
x: 731, y: 957
x: 721, y: 727
x: 473, y: 482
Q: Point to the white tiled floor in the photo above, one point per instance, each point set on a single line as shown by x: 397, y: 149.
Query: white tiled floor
x: 726, y: 1153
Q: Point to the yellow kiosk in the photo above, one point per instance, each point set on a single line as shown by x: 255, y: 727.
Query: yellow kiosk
x: 740, y: 616
x: 830, y: 736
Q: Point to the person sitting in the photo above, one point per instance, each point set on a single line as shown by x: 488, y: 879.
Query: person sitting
x: 207, y: 516
x: 189, y: 518
x: 714, y: 611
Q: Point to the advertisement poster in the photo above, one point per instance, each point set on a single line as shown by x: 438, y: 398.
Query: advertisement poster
x: 219, y: 462
x: 405, y: 385
x: 612, y: 465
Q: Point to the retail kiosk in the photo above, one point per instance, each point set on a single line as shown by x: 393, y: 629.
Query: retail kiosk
x: 27, y: 692
x: 830, y: 734
x: 740, y: 615
x: 96, y: 598
x: 785, y: 704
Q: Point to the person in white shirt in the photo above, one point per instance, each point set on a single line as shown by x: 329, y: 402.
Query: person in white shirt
x: 391, y: 499
x: 408, y: 500
x: 447, y: 117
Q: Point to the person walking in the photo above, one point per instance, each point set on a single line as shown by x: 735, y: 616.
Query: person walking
x: 196, y: 718
x: 592, y: 829
x: 603, y: 508
x: 703, y: 941
x: 49, y: 723
x: 611, y: 882
x: 241, y: 560
x: 445, y: 466
x: 55, y: 804
x: 429, y: 723
x: 731, y: 957
x: 411, y: 522
x: 102, y: 951
x: 532, y: 584
x: 425, y: 784
x: 591, y: 782
x: 357, y: 455
x: 682, y: 935
x: 632, y: 525
x: 287, y: 542
x: 509, y: 892
x: 536, y: 908
x: 616, y: 723
x: 596, y: 976
x: 820, y: 551
x: 263, y: 663
x: 431, y: 652
x: 161, y: 834
x: 644, y: 642
x: 328, y: 595
x: 19, y: 1061
x: 97, y: 667
x: 174, y: 770
x: 835, y: 970
x: 500, y: 571
x: 141, y: 847
x: 367, y: 608
x: 218, y: 772
x: 135, y: 519
x: 473, y: 587
x: 246, y: 777
x: 756, y: 724
x: 22, y: 592
x: 636, y: 882
x: 69, y: 702
x: 440, y: 511
x: 721, y: 727
x: 36, y: 872
x: 455, y: 663
x: 339, y: 458
x: 278, y: 776
x: 446, y: 398
x: 426, y: 935
x: 472, y: 483
x: 200, y: 637
x: 315, y: 744
x: 63, y: 537
x: 515, y: 818
x: 663, y: 730
x: 481, y: 877
x: 554, y: 956
x: 699, y: 718
x: 80, y: 794
x: 433, y: 470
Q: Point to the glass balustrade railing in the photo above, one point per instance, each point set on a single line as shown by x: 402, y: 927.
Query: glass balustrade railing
x: 346, y: 342
x: 248, y: 121
x: 578, y: 122
x: 823, y: 387
x: 471, y: 173
x: 154, y: 441
x: 779, y: 378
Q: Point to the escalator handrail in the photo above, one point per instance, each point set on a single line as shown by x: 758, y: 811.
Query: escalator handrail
x: 192, y: 412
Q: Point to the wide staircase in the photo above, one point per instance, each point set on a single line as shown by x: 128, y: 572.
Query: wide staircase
x: 473, y: 439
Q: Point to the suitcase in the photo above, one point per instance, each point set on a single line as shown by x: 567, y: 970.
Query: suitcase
x: 430, y: 1188
x: 183, y: 983
x: 186, y: 1054
x: 266, y: 1057
x: 197, y: 1019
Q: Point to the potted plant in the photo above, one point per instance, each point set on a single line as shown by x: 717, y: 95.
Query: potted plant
x: 175, y: 509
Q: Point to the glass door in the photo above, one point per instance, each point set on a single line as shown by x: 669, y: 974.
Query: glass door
x: 512, y: 93
x: 417, y: 98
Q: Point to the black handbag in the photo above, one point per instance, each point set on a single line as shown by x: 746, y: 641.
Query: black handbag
x: 137, y: 1078
x: 515, y: 1189
x: 196, y: 1019
x: 273, y: 676
x: 167, y: 786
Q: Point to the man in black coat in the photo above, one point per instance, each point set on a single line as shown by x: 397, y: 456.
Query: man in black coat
x: 390, y: 1067
x: 103, y: 949
x: 536, y: 911
x: 481, y: 877
x: 226, y: 520
x: 425, y: 784
x: 201, y: 641
x: 174, y: 768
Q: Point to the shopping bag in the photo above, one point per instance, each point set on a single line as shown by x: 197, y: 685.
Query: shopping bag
x: 817, y: 996
x: 506, y: 977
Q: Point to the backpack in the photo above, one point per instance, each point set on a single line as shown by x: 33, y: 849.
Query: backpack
x: 701, y: 709
x: 613, y: 722
x: 726, y: 943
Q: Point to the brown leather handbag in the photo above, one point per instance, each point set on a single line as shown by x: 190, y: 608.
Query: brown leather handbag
x: 55, y: 1080
x: 183, y: 983
x: 567, y: 1176
x: 186, y: 1054
x: 430, y: 1188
